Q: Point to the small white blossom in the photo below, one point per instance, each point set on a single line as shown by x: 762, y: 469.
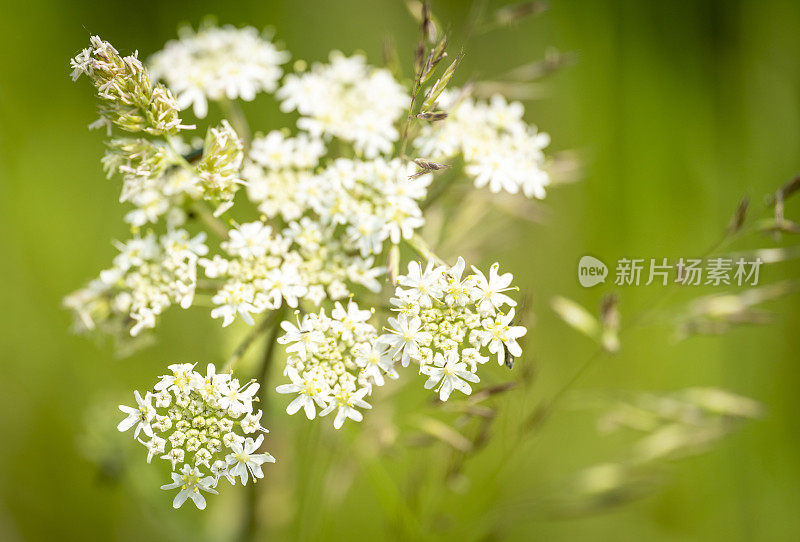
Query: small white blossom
x: 141, y: 416
x: 191, y: 482
x: 405, y: 338
x: 449, y: 373
x: 243, y: 459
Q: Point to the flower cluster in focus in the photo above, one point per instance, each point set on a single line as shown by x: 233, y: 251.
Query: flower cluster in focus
x: 199, y: 424
x: 333, y: 363
x: 447, y: 323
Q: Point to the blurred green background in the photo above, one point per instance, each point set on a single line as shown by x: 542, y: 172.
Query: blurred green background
x: 678, y: 109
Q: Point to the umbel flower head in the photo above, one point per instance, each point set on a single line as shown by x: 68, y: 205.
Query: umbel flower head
x: 499, y: 148
x: 448, y: 323
x: 266, y: 270
x: 348, y: 99
x: 217, y: 63
x: 149, y: 274
x: 202, y: 425
x: 333, y: 363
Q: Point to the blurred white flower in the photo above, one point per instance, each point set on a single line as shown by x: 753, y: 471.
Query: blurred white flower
x: 347, y: 99
x: 499, y: 148
x: 148, y: 276
x: 216, y: 63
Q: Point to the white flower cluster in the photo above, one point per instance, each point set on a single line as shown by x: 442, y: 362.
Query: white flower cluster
x: 333, y: 363
x: 149, y: 274
x: 499, y: 148
x: 280, y: 174
x: 217, y: 63
x: 267, y: 269
x: 375, y: 200
x: 445, y: 322
x: 129, y: 100
x: 198, y: 423
x: 347, y: 99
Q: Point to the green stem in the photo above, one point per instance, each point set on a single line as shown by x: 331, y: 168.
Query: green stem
x: 214, y: 224
x: 250, y: 518
x: 423, y: 249
x: 440, y: 187
x: 241, y: 350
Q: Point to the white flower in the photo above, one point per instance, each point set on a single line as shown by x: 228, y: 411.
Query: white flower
x: 238, y: 400
x: 233, y: 299
x: 218, y: 63
x: 302, y: 338
x: 198, y: 426
x: 177, y: 244
x: 458, y: 291
x: 405, y: 337
x: 311, y: 391
x: 155, y: 446
x: 275, y: 151
x: 450, y: 374
x: 180, y: 379
x: 141, y: 416
x: 174, y: 456
x: 473, y: 358
x: 163, y: 399
x: 445, y: 322
x: 243, y: 459
x: 213, y: 385
x: 347, y: 321
x: 375, y: 362
x: 324, y: 365
x: 249, y: 240
x: 489, y: 292
x: 219, y: 469
x: 252, y: 423
x: 501, y: 335
x: 345, y: 401
x: 424, y: 286
x: 284, y: 283
x: 500, y: 150
x: 145, y: 280
x: 191, y: 483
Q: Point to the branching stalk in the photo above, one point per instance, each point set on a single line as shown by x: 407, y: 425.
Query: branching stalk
x: 241, y: 350
x: 214, y: 224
